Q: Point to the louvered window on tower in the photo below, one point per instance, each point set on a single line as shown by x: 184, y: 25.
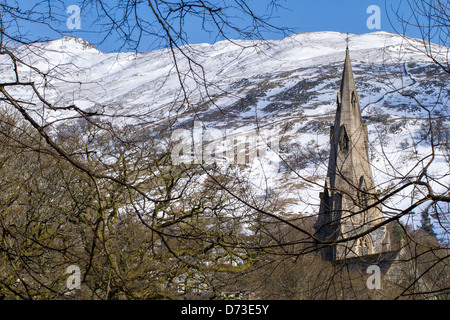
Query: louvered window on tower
x: 364, y: 246
x: 363, y: 197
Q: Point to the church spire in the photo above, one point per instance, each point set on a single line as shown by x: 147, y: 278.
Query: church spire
x: 349, y: 186
x: 348, y: 81
x: 348, y: 135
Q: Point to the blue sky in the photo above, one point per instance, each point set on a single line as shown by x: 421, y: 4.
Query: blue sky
x: 328, y: 15
x: 348, y: 16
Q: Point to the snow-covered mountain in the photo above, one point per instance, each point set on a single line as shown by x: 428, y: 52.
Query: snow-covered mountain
x: 286, y: 86
x: 300, y: 72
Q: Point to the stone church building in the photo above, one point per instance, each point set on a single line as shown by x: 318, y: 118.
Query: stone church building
x: 347, y: 207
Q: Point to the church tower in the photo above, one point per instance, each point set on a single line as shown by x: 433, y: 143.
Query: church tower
x: 346, y: 206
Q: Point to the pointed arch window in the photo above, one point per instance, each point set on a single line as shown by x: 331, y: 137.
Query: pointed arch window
x: 354, y: 100
x: 345, y: 140
x: 363, y: 195
x: 365, y: 246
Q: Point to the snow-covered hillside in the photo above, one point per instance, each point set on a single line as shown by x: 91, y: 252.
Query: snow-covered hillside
x: 148, y: 83
x: 287, y: 87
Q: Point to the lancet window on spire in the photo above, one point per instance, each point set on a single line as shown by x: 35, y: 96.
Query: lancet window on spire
x: 354, y: 100
x: 345, y: 140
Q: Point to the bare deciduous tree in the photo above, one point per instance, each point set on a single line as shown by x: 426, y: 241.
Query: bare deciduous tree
x: 107, y: 198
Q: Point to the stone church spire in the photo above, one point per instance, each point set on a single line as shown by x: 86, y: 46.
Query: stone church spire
x: 348, y: 82
x: 349, y: 159
x: 345, y: 208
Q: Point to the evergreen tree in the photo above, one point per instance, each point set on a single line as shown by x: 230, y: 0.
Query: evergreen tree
x: 426, y: 224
